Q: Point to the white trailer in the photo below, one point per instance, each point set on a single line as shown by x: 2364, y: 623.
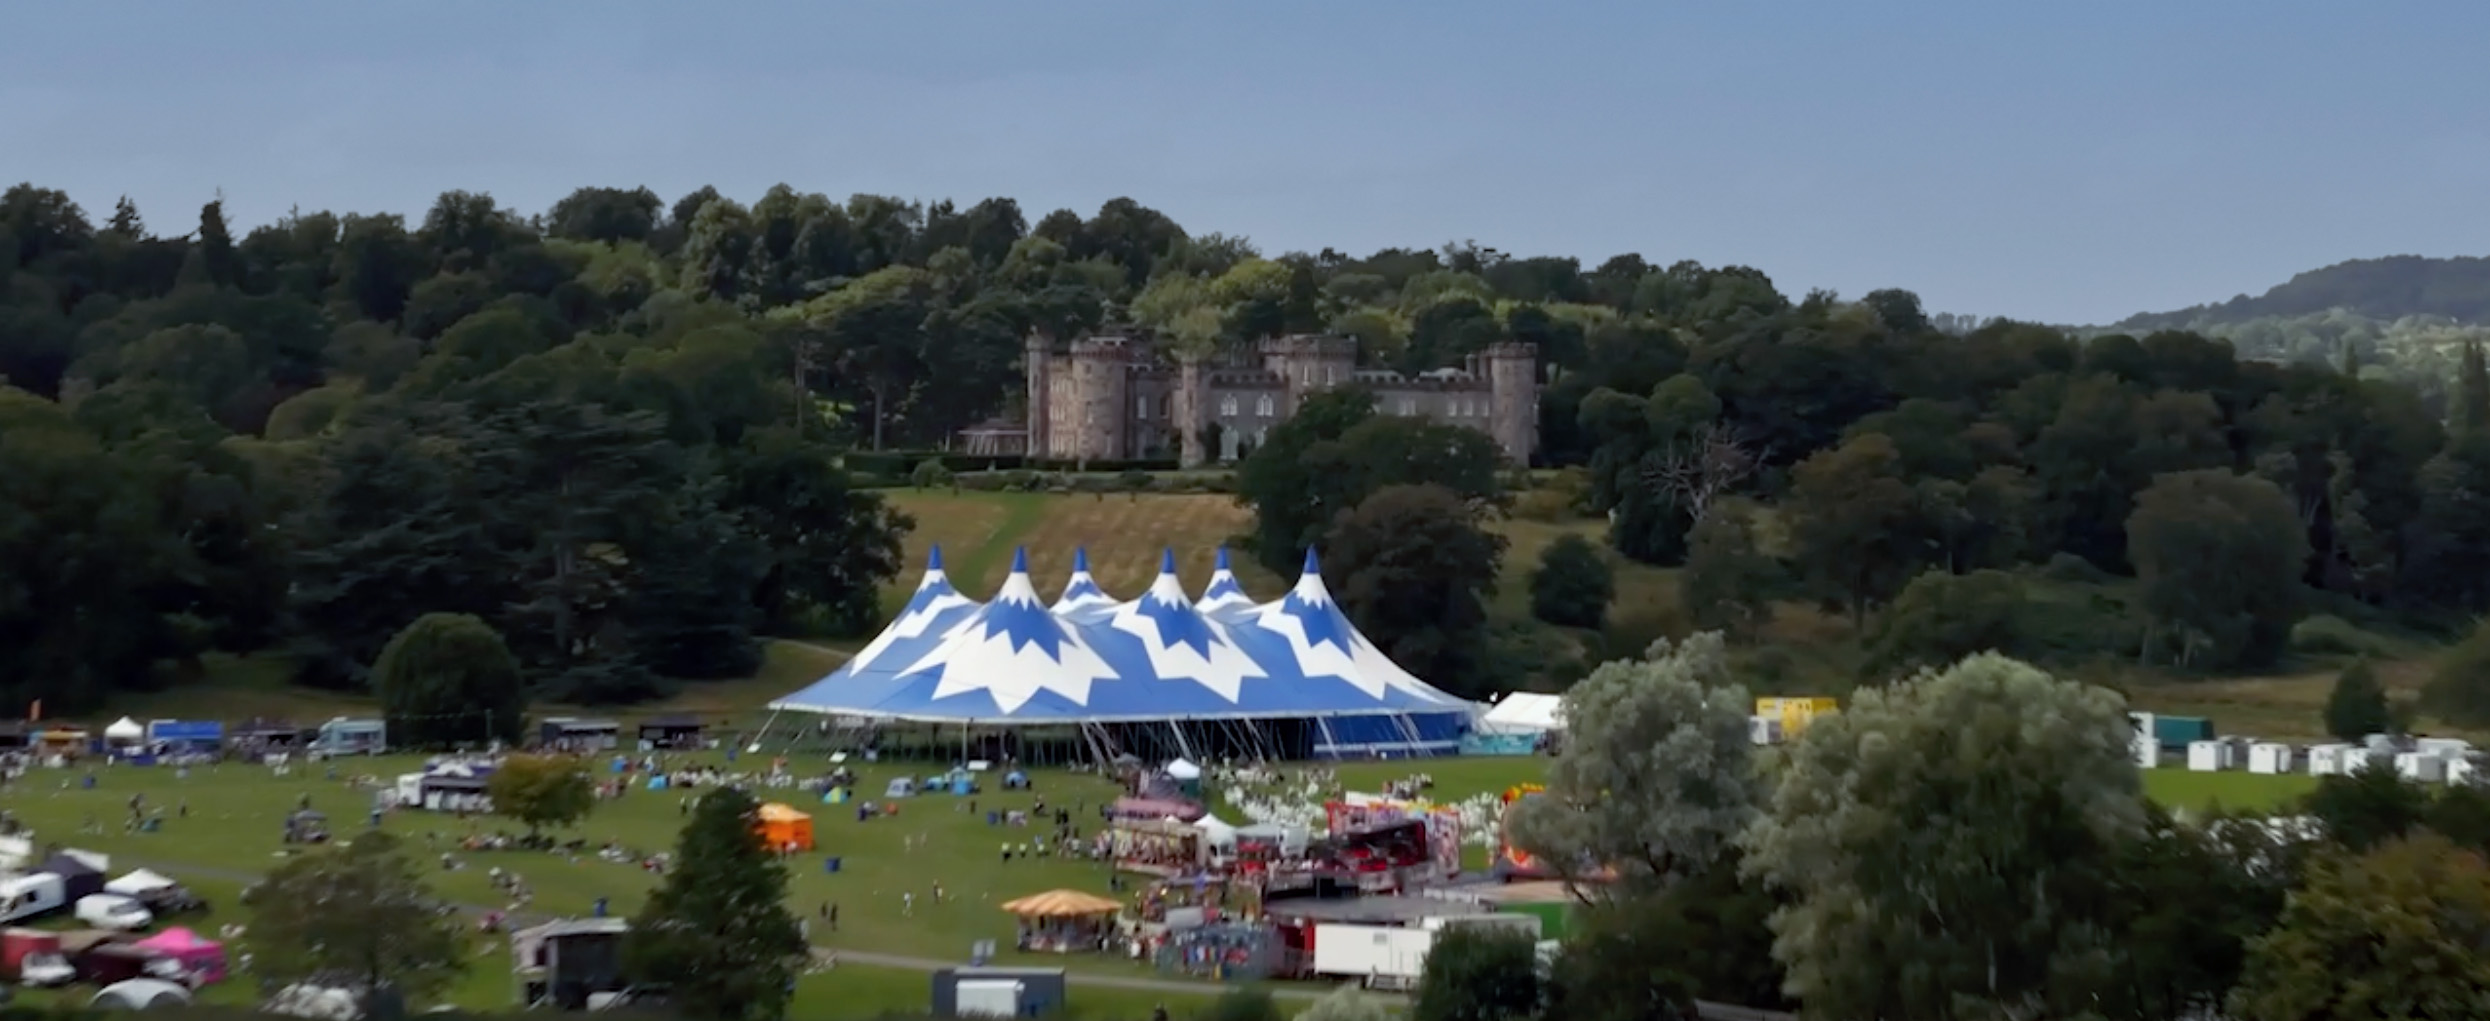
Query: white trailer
x: 1393, y: 957
x: 1381, y: 956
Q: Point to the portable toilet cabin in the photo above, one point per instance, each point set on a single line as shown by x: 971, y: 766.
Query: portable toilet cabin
x: 2464, y: 769
x: 2421, y: 767
x: 2208, y: 756
x: 2269, y: 758
x: 1763, y: 730
x: 2327, y: 759
x: 2357, y: 759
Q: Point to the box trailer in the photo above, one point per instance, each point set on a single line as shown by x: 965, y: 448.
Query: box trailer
x: 1381, y: 956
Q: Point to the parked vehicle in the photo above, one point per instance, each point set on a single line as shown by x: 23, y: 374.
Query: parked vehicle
x: 34, y: 957
x: 115, y: 912
x: 32, y: 895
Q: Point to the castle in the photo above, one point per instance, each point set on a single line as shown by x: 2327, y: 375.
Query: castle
x: 1119, y: 397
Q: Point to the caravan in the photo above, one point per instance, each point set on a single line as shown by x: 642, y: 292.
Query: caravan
x: 32, y: 895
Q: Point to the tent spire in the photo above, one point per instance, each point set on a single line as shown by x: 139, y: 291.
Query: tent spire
x: 1020, y: 560
x: 1080, y: 559
x: 1312, y: 566
x: 1167, y: 560
x: 933, y: 560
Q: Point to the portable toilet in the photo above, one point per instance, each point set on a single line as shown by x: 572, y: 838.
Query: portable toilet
x: 2327, y: 759
x: 2269, y: 758
x: 1763, y: 730
x: 2147, y: 751
x: 2443, y: 747
x: 2208, y: 756
x: 2357, y: 759
x: 2421, y: 767
x: 2464, y: 769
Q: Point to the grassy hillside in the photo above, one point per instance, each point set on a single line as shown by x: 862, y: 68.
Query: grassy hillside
x: 2387, y: 288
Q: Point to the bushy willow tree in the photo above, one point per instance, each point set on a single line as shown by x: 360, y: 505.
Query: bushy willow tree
x: 1950, y: 846
x: 1657, y: 776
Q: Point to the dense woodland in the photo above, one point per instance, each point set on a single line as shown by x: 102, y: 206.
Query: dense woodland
x: 622, y: 431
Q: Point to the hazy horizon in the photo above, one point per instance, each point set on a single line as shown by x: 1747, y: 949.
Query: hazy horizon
x: 2067, y: 165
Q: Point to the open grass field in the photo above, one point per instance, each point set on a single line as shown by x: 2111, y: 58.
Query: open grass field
x: 231, y: 832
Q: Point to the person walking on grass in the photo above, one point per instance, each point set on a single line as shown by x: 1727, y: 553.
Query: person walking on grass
x: 907, y: 904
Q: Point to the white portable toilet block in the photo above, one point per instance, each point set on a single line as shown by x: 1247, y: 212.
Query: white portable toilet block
x: 2327, y: 759
x: 2269, y: 758
x: 2146, y: 750
x: 2443, y: 747
x: 2420, y: 767
x: 2357, y: 759
x: 2207, y: 756
x: 2464, y: 769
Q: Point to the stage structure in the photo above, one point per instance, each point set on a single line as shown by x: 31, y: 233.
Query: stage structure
x: 1165, y: 672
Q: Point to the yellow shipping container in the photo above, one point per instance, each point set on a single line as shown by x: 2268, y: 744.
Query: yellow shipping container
x: 1796, y: 713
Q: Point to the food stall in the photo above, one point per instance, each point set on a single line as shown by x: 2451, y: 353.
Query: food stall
x: 201, y: 957
x: 1064, y: 921
x: 1159, y: 847
x: 63, y: 741
x: 573, y: 734
x: 670, y: 732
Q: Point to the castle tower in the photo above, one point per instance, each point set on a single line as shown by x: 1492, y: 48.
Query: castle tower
x: 1308, y: 364
x: 1513, y: 399
x: 1098, y: 384
x: 1038, y: 355
x: 1192, y: 407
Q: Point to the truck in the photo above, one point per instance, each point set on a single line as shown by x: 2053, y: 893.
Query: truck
x: 31, y: 895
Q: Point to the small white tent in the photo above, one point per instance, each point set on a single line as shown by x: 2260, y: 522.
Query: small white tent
x: 1217, y: 833
x: 125, y: 731
x: 1524, y: 712
x: 1182, y: 770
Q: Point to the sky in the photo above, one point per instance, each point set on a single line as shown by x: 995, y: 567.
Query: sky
x: 2061, y: 162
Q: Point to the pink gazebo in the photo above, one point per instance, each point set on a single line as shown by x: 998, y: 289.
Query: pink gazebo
x: 197, y: 954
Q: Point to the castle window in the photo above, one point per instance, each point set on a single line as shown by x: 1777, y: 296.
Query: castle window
x: 1331, y: 375
x: 1227, y: 405
x: 1141, y: 406
x: 1167, y: 406
x: 1262, y: 407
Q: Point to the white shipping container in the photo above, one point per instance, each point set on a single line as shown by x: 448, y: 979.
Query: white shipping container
x: 987, y: 997
x: 2443, y: 747
x: 2421, y: 767
x: 1763, y: 730
x: 2269, y: 758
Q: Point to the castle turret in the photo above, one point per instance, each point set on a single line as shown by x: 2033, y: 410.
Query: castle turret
x: 1038, y: 354
x: 1192, y: 407
x: 1099, y: 368
x: 1513, y: 397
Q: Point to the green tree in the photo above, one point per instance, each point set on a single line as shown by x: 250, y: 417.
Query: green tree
x: 1412, y: 566
x: 1479, y: 973
x: 1572, y: 585
x: 542, y: 790
x: 2367, y: 808
x: 2458, y: 690
x: 1949, y: 846
x: 717, y: 932
x: 1942, y: 618
x: 1656, y: 777
x: 359, y: 908
x: 1854, y: 523
x: 2357, y: 708
x: 1729, y: 581
x: 2219, y: 557
x: 2394, y: 933
x: 1292, y: 501
x: 446, y: 679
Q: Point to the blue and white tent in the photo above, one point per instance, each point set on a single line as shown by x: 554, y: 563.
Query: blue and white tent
x: 1162, y: 658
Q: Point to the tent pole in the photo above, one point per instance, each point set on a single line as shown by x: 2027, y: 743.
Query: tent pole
x: 765, y: 726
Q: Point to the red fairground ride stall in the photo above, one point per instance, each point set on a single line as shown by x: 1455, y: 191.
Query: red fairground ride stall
x: 1391, y: 846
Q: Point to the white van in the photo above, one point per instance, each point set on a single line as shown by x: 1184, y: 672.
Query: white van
x: 30, y: 896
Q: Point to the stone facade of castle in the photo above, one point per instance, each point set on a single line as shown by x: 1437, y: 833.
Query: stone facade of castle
x: 1119, y: 397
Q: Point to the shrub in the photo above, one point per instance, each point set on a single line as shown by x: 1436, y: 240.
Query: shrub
x: 2328, y: 635
x: 1573, y: 584
x: 930, y: 474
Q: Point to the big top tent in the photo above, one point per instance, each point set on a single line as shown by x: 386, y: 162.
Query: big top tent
x: 1291, y: 676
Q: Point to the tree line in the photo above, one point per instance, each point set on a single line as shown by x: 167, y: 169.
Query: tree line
x: 614, y: 430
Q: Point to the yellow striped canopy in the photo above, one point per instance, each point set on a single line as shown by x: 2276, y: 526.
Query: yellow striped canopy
x: 1061, y: 904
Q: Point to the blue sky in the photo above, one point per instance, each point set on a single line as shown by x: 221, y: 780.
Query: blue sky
x: 2070, y: 162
